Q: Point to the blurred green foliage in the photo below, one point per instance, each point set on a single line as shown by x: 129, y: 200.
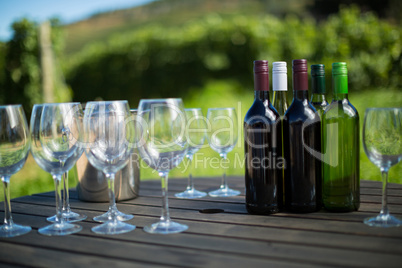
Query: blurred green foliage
x: 22, y: 74
x: 155, y: 61
x: 20, y: 67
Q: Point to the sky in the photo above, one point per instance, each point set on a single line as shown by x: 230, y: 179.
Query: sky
x: 67, y: 10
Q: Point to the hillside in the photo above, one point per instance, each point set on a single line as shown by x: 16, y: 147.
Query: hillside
x: 168, y: 13
x: 177, y: 12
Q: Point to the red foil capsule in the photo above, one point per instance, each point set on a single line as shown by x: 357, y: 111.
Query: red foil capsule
x: 261, y: 75
x: 300, y: 75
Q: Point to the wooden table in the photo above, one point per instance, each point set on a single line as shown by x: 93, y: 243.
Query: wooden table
x: 232, y: 238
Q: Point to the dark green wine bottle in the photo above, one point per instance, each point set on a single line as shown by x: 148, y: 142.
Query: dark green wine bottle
x: 340, y: 140
x: 318, y: 99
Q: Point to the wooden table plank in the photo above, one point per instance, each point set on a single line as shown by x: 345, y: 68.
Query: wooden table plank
x: 349, y: 223
x: 43, y: 255
x: 224, y: 229
x: 122, y: 247
x: 232, y: 238
x: 232, y: 207
x: 255, y: 249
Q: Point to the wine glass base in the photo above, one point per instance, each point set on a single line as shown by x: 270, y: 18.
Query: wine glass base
x: 69, y: 217
x: 113, y: 227
x: 120, y: 216
x: 60, y: 229
x: 165, y: 227
x: 383, y: 221
x: 224, y: 192
x: 191, y: 194
x: 14, y: 230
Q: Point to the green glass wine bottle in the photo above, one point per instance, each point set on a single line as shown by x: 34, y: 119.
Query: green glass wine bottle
x: 318, y: 99
x: 341, y: 147
x: 279, y: 101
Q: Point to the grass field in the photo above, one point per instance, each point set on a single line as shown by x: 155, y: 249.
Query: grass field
x: 31, y: 179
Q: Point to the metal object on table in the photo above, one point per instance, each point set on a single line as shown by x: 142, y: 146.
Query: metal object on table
x: 92, y: 184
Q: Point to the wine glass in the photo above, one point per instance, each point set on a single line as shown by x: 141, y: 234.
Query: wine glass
x: 56, y: 145
x: 222, y: 138
x: 109, y: 134
x: 67, y: 213
x: 14, y: 148
x: 161, y: 125
x: 382, y: 141
x: 195, y: 131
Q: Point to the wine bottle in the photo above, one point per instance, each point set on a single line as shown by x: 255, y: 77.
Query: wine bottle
x: 263, y: 149
x: 280, y: 86
x: 341, y: 179
x: 302, y: 146
x: 318, y: 88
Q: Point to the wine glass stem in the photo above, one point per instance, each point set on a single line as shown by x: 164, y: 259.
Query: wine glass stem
x: 165, y: 205
x: 59, y: 204
x: 190, y: 185
x: 384, y: 209
x: 112, y: 198
x: 224, y: 183
x: 8, y: 220
x: 66, y: 195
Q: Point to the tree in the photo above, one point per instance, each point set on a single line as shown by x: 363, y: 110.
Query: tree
x: 22, y: 76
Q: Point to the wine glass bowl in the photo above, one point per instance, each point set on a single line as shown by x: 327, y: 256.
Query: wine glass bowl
x: 162, y: 137
x: 109, y: 135
x: 222, y: 138
x: 382, y: 142
x: 162, y: 144
x: 14, y: 148
x: 195, y: 131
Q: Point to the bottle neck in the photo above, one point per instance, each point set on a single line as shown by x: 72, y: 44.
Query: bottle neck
x: 280, y: 94
x: 340, y: 96
x: 300, y: 81
x: 279, y: 81
x: 261, y: 81
x: 262, y: 95
x: 300, y: 95
x: 279, y: 97
x: 279, y: 101
x: 340, y: 84
x: 318, y: 84
x: 318, y: 97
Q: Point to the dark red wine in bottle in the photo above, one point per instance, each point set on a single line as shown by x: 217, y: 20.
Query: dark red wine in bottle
x: 302, y: 145
x: 263, y: 149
